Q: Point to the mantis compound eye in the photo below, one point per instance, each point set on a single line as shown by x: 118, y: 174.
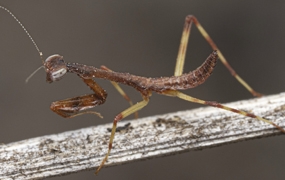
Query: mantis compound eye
x: 55, y: 68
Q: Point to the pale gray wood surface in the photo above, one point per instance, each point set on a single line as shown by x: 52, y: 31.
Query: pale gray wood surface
x: 145, y: 138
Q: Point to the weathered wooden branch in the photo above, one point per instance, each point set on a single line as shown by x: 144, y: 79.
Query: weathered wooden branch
x: 144, y: 138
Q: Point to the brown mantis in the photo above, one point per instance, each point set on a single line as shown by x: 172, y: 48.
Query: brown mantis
x: 56, y: 68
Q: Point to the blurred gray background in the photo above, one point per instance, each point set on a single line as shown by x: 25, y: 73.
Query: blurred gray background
x: 142, y: 38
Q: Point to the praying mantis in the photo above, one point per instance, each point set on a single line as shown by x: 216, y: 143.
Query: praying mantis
x: 56, y: 68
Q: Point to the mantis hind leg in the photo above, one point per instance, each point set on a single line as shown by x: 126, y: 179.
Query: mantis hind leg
x: 183, y: 48
x: 218, y: 105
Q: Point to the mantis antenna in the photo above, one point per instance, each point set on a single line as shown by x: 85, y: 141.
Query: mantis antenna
x: 28, y: 34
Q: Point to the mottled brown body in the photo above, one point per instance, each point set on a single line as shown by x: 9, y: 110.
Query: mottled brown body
x: 143, y: 84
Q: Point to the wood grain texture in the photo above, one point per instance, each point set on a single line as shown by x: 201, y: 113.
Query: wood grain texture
x: 145, y: 138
